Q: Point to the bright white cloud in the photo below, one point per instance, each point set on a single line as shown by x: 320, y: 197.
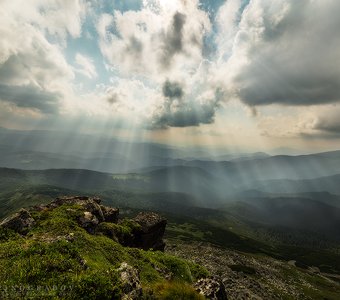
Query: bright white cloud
x: 87, y: 66
x: 29, y: 62
x: 149, y: 43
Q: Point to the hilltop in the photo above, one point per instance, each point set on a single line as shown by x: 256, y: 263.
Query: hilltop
x: 76, y: 248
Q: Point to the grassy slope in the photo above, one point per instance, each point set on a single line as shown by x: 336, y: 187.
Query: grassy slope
x: 48, y: 263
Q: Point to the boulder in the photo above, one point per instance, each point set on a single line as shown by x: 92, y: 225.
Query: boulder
x: 150, y: 236
x: 95, y: 209
x: 110, y: 214
x: 130, y: 282
x: 88, y: 221
x: 211, y: 288
x: 80, y: 200
x: 91, y: 204
x: 20, y: 222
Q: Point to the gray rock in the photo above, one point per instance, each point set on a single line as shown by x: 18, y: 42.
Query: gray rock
x: 90, y: 204
x: 88, y: 221
x: 110, y: 214
x: 20, y: 222
x: 131, y: 286
x: 152, y: 231
x: 211, y: 288
x: 95, y: 209
x: 75, y: 200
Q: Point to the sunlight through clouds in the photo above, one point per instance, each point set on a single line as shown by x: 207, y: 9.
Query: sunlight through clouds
x: 172, y: 64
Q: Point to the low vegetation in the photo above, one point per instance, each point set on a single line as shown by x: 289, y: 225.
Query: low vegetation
x: 58, y: 259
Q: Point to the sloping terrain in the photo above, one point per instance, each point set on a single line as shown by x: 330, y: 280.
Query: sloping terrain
x: 247, y: 276
x: 75, y: 248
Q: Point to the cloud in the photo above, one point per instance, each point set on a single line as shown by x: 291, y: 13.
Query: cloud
x: 328, y: 121
x: 62, y: 17
x: 173, y: 40
x: 263, y: 53
x: 154, y: 42
x: 284, y: 52
x: 175, y: 114
x: 87, y: 66
x: 164, y: 47
x: 170, y: 106
x: 181, y: 110
x: 33, y: 70
x: 130, y: 98
x: 307, y: 122
x: 30, y: 97
x: 172, y: 63
x: 31, y: 59
x: 58, y: 18
x: 172, y: 90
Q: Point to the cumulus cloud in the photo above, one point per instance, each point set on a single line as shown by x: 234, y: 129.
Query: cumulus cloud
x: 33, y: 70
x: 285, y: 52
x: 179, y: 114
x: 163, y: 43
x: 154, y: 42
x: 182, y: 109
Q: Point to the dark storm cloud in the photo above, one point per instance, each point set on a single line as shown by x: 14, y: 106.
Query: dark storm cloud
x: 173, y: 40
x: 30, y: 97
x: 172, y: 90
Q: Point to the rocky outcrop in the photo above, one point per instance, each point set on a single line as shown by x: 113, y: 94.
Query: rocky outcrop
x: 152, y: 231
x: 20, y: 222
x: 130, y: 282
x: 89, y: 222
x: 90, y: 204
x: 211, y: 288
x: 77, y: 200
x: 146, y: 231
x: 110, y: 214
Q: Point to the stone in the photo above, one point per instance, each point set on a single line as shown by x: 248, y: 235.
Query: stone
x: 110, y: 214
x: 130, y: 282
x: 89, y: 222
x: 75, y: 200
x: 20, y: 222
x: 91, y: 204
x: 211, y: 288
x: 152, y: 231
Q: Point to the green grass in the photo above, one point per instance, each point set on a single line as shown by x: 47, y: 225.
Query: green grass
x: 176, y: 290
x: 16, y: 196
x: 58, y: 259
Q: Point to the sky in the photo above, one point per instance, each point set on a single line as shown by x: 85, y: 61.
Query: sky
x: 253, y: 75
